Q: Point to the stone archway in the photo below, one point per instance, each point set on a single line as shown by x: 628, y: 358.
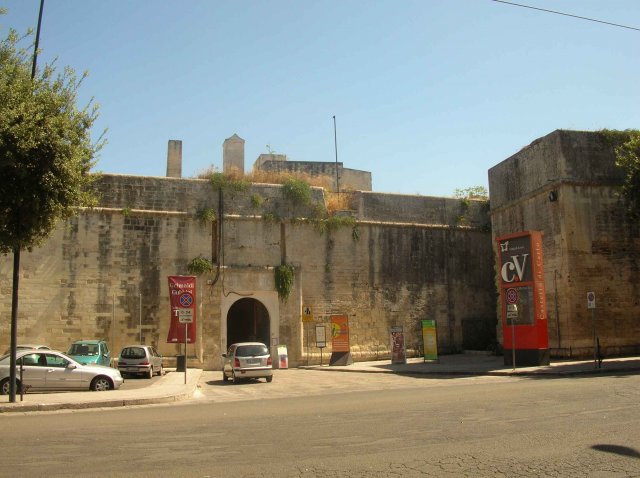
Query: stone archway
x: 248, y: 321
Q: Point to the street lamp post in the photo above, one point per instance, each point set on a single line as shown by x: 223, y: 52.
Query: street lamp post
x: 16, y: 255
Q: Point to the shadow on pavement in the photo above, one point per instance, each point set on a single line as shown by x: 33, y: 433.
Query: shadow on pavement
x: 618, y: 450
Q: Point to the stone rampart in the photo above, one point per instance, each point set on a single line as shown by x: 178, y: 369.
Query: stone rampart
x: 103, y: 273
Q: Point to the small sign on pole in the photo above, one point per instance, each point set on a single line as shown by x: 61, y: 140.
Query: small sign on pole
x: 321, y: 336
x: 307, y: 313
x: 321, y: 339
x: 591, y: 300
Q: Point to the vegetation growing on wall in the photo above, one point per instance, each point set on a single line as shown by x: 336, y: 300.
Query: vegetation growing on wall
x: 297, y: 191
x: 466, y: 195
x: 256, y: 201
x: 342, y: 201
x: 234, y: 183
x: 284, y: 281
x: 199, y: 266
x: 473, y: 192
x: 333, y: 223
x: 271, y: 217
x: 626, y: 145
x: 206, y: 215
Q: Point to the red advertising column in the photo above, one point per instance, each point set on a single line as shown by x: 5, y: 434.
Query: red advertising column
x: 340, y: 349
x: 182, y: 295
x: 523, y: 299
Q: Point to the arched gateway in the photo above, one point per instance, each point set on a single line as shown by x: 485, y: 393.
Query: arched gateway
x: 248, y: 321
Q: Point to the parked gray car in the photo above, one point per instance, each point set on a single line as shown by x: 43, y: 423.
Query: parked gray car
x: 53, y: 370
x: 29, y: 347
x: 140, y: 360
x: 247, y: 360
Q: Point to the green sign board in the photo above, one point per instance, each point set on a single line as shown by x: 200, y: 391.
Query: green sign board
x: 430, y: 339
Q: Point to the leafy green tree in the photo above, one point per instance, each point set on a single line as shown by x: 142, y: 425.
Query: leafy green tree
x: 474, y: 192
x: 626, y: 145
x: 46, y: 151
x: 46, y: 155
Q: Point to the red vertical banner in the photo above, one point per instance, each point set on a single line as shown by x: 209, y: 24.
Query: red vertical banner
x: 398, y: 351
x: 523, y: 298
x: 182, y: 296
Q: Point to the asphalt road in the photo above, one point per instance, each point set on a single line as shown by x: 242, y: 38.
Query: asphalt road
x: 346, y: 424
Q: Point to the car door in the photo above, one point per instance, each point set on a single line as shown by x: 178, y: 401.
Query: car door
x: 33, y: 371
x: 227, y: 360
x: 156, y: 359
x: 105, y: 354
x: 60, y: 376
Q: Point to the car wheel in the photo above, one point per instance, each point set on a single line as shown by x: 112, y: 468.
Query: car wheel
x: 101, y: 384
x: 161, y: 372
x: 5, y: 385
x: 150, y: 372
x: 224, y: 377
x: 269, y: 379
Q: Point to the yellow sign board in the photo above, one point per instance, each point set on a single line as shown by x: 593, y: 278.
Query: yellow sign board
x: 307, y: 313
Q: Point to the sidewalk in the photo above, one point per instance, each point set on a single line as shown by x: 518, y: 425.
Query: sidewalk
x: 489, y: 365
x: 172, y: 387
x: 169, y: 388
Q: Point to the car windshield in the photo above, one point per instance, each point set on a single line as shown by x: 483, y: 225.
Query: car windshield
x: 251, y: 350
x: 132, y: 353
x: 83, y: 349
x: 5, y: 359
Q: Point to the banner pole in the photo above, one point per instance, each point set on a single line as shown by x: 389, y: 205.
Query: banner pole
x: 186, y: 332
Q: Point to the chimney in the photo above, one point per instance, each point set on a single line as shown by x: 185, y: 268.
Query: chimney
x: 174, y: 159
x: 233, y: 154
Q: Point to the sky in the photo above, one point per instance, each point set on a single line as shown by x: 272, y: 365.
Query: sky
x: 427, y: 94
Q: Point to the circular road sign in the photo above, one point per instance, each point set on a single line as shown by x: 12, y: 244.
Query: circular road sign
x: 186, y: 300
x: 512, y: 296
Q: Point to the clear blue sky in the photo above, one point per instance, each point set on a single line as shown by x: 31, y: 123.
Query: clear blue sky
x: 427, y: 94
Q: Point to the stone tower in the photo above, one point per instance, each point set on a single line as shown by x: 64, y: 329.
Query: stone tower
x: 233, y: 154
x: 174, y: 159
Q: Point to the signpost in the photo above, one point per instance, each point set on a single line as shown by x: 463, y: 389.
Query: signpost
x: 591, y: 305
x: 185, y: 316
x: 321, y: 339
x: 307, y: 317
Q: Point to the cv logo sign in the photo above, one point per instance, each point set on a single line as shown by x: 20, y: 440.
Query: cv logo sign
x: 513, y: 270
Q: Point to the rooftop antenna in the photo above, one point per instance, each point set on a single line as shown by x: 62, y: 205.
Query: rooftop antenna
x: 335, y: 141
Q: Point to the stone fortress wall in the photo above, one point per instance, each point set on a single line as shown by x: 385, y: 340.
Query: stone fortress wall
x: 567, y: 185
x: 103, y: 273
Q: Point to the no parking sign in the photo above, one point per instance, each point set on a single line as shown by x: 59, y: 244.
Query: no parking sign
x: 182, y: 295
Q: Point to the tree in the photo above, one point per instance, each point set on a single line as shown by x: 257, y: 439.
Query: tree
x: 46, y: 154
x: 46, y: 151
x: 626, y: 145
x: 474, y: 192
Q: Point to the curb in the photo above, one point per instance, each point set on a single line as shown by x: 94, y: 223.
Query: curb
x: 22, y: 407
x: 490, y: 373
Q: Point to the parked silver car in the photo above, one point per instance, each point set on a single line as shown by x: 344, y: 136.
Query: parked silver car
x: 247, y: 360
x: 140, y: 360
x: 29, y: 347
x: 53, y: 370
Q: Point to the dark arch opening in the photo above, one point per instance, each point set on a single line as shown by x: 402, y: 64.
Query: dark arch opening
x: 248, y: 321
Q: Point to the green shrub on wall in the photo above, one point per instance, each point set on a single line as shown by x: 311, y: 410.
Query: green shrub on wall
x: 229, y: 182
x: 297, y: 191
x: 199, y: 266
x: 206, y: 216
x: 284, y: 281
